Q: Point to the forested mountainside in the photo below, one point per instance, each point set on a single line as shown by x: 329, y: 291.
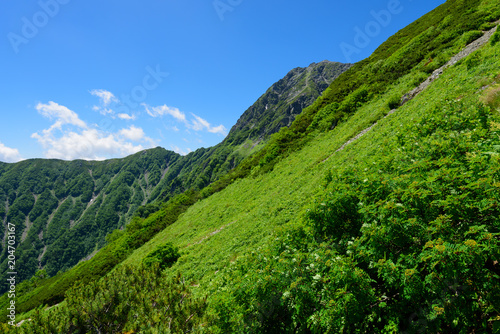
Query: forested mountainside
x: 375, y: 211
x: 64, y: 210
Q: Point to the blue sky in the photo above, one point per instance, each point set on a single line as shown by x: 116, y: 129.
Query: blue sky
x: 105, y: 79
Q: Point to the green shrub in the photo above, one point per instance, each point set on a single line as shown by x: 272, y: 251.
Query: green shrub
x: 492, y: 97
x: 472, y: 61
x: 421, y: 77
x: 165, y: 256
x: 133, y: 300
x: 495, y: 38
x: 115, y: 235
x: 487, y: 26
x: 435, y: 63
x: 394, y: 102
x: 470, y: 37
x: 493, y: 17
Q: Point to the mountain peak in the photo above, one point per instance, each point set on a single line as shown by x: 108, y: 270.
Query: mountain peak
x: 284, y: 100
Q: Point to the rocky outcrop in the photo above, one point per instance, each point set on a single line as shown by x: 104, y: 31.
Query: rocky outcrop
x: 284, y: 100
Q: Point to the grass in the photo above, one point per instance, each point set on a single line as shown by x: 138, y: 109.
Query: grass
x: 243, y: 217
x: 491, y: 97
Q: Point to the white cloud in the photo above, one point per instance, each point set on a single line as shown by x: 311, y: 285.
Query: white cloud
x: 105, y: 96
x: 196, y: 124
x: 90, y: 144
x: 221, y: 129
x: 165, y: 110
x: 126, y: 117
x: 199, y: 124
x: 62, y: 115
x: 180, y: 151
x: 8, y: 154
x: 85, y: 142
x: 105, y: 99
x: 133, y: 133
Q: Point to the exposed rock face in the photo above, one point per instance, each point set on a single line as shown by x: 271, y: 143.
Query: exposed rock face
x: 286, y: 99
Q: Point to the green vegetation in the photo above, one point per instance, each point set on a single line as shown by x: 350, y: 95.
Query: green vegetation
x: 119, y: 193
x: 492, y: 97
x: 128, y: 301
x: 495, y: 38
x: 164, y: 256
x: 398, y: 231
x: 469, y: 37
x: 410, y: 244
x: 394, y: 102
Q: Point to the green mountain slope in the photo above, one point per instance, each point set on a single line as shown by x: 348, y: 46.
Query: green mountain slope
x: 388, y: 234
x: 64, y: 210
x: 396, y: 231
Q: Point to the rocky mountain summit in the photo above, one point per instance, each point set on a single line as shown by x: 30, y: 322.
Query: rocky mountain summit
x: 284, y: 100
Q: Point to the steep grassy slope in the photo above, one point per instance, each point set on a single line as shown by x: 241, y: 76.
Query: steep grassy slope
x: 64, y: 210
x: 422, y: 142
x: 133, y: 182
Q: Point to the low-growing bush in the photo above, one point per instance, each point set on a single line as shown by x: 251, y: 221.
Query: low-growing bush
x: 492, y: 97
x: 394, y: 102
x: 132, y: 300
x: 472, y: 61
x: 419, y: 78
x: 470, y: 37
x: 165, y: 256
x: 495, y: 38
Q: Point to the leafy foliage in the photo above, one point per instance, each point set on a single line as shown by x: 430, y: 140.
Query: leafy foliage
x: 133, y: 300
x: 495, y: 38
x: 165, y: 256
x: 411, y: 245
x: 492, y: 97
x: 394, y: 102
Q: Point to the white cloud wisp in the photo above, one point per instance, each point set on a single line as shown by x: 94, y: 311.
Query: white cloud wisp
x: 71, y: 138
x: 8, y: 154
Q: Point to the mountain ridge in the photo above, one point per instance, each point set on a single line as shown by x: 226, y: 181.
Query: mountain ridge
x: 51, y: 228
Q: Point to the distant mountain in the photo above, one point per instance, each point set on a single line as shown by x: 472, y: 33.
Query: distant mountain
x: 64, y: 210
